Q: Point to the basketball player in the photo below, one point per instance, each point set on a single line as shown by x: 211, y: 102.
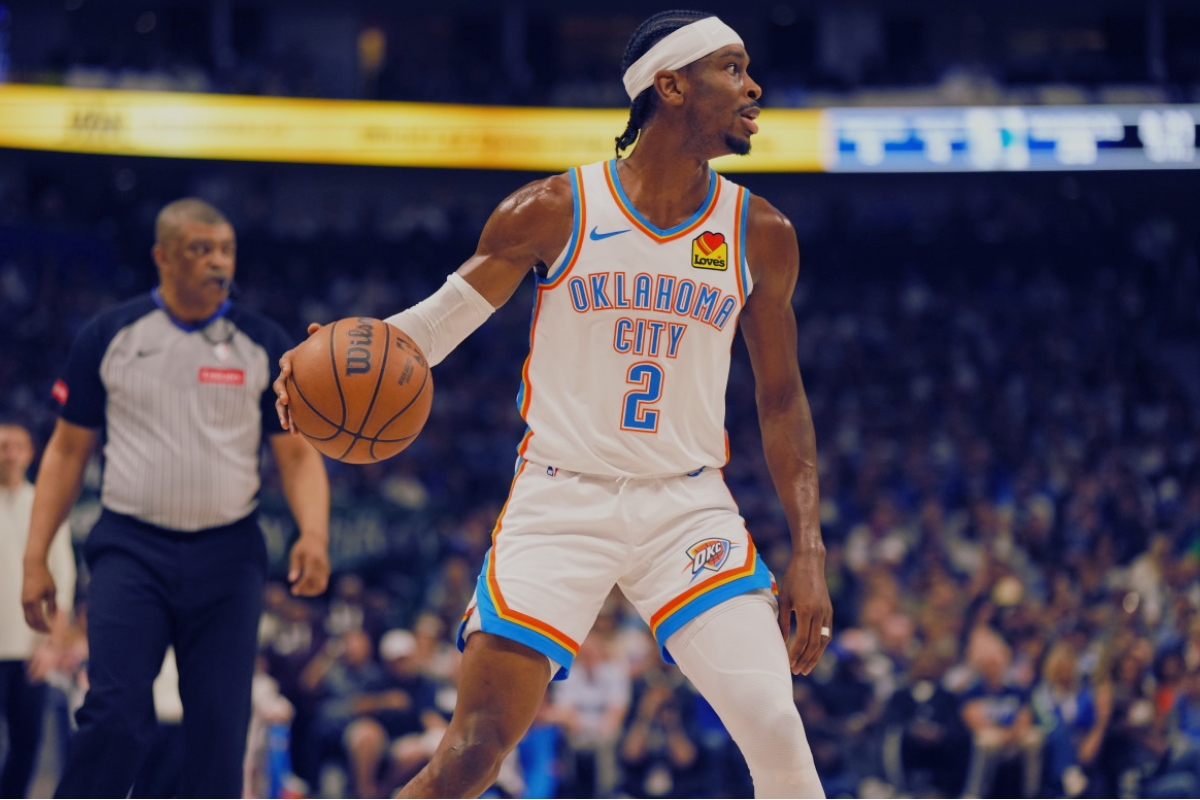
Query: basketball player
x: 644, y: 267
x: 178, y: 382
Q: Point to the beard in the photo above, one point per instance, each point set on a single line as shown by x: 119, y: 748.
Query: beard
x: 739, y: 147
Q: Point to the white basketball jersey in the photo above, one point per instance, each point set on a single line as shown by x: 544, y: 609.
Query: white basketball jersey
x: 631, y: 335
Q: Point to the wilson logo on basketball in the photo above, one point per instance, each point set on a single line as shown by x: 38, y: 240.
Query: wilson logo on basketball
x: 710, y: 554
x: 358, y: 354
x: 709, y: 251
x: 224, y: 377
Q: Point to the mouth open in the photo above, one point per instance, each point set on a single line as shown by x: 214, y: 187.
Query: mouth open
x: 749, y: 115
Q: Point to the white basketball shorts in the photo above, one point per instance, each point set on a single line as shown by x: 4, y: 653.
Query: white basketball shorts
x: 675, y: 546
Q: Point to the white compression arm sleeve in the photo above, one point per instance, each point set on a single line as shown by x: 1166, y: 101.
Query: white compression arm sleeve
x: 440, y: 322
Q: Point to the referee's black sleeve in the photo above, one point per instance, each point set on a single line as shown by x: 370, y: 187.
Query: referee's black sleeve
x: 79, y: 391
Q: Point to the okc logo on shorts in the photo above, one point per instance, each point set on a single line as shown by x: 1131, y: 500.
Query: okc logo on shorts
x: 710, y: 554
x: 709, y: 251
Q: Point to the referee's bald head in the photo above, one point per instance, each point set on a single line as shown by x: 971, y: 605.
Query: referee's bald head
x: 186, y: 209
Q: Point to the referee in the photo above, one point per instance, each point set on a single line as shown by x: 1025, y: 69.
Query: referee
x: 177, y: 384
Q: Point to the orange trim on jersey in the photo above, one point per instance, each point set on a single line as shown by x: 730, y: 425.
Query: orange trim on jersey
x: 577, y: 236
x: 526, y: 386
x: 708, y: 585
x: 735, y: 259
x: 632, y: 215
x: 493, y: 587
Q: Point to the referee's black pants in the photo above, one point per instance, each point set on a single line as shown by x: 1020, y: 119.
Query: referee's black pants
x: 150, y: 588
x: 22, y: 706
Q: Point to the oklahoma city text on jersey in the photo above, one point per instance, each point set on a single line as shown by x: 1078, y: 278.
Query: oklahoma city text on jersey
x: 631, y: 334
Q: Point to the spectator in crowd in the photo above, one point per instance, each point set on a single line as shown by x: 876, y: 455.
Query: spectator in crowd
x: 1191, y: 646
x: 881, y: 539
x: 849, y: 699
x: 26, y: 659
x: 289, y: 641
x: 1073, y: 714
x: 346, y: 612
x: 350, y: 683
x: 657, y: 752
x: 538, y: 753
x: 593, y: 700
x: 415, y: 725
x: 435, y: 656
x: 1130, y: 742
x: 998, y: 716
x: 1169, y: 671
x: 450, y: 592
x: 1148, y: 577
x: 925, y: 748
x: 1184, y: 720
x: 271, y: 716
x: 1178, y: 772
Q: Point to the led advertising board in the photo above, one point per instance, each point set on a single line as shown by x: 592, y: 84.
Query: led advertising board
x: 1012, y: 138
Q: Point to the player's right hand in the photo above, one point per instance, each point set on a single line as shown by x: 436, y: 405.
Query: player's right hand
x: 37, y: 597
x: 280, y: 385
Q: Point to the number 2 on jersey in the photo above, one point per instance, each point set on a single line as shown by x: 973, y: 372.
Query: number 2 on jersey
x: 635, y: 416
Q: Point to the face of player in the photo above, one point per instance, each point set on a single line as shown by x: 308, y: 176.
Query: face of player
x: 196, y: 267
x: 724, y: 99
x: 16, y: 454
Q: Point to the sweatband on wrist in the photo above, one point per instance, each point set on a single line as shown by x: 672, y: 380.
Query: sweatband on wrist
x: 678, y: 49
x: 440, y: 322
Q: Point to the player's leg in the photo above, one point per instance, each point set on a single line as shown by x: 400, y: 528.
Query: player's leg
x: 501, y: 685
x: 128, y: 631
x: 552, y: 564
x: 701, y: 585
x: 734, y: 655
x: 217, y: 609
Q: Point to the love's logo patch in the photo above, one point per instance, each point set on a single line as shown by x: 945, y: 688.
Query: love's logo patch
x: 710, y: 251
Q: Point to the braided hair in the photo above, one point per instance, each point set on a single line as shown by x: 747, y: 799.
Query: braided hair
x: 646, y: 36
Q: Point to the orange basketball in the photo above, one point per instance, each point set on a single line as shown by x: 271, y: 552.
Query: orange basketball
x: 360, y: 390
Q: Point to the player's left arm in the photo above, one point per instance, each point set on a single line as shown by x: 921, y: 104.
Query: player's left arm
x: 789, y: 441
x: 306, y: 487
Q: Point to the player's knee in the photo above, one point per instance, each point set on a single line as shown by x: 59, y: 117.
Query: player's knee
x: 475, y: 751
x: 783, y: 723
x: 784, y: 740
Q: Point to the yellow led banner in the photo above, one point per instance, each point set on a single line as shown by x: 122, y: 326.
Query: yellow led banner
x: 242, y: 128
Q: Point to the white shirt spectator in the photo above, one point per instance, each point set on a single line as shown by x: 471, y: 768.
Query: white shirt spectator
x: 17, y: 640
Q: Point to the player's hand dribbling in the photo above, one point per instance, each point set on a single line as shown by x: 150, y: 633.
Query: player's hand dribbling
x: 37, y: 597
x: 803, y: 592
x: 280, y: 386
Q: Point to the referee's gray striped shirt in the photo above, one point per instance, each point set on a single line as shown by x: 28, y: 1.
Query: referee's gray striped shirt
x: 183, y: 410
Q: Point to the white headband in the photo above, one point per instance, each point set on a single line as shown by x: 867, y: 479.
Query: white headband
x: 678, y: 49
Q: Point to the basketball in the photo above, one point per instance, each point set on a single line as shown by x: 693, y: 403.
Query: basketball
x: 360, y: 390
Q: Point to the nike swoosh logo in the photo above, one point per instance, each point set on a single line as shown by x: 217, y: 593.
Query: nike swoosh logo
x: 595, y: 236
x: 144, y: 353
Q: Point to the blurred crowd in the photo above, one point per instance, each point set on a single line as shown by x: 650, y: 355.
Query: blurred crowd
x: 1003, y: 372
x: 805, y: 54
